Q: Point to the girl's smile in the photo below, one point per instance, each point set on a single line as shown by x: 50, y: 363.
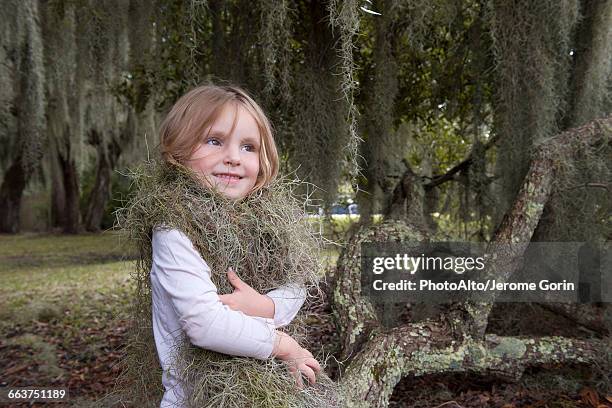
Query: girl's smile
x: 228, y: 155
x: 228, y: 177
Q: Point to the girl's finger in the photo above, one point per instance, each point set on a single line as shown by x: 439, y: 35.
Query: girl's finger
x: 307, y: 371
x: 314, y: 364
x: 233, y: 278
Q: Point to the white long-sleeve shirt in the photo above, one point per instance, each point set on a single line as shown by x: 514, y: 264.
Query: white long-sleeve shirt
x: 186, y: 303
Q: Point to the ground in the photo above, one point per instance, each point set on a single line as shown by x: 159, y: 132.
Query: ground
x: 63, y: 308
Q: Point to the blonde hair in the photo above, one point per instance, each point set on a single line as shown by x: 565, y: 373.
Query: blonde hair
x: 185, y: 125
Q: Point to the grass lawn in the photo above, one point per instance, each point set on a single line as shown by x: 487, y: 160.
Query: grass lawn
x: 63, y: 311
x: 63, y: 303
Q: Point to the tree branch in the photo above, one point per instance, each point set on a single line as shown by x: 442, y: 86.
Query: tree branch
x: 466, y: 163
x: 422, y: 349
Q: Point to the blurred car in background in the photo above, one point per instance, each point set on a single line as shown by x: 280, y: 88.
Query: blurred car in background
x: 338, y: 209
x: 341, y: 209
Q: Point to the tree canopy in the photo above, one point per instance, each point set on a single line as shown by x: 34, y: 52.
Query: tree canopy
x: 356, y: 91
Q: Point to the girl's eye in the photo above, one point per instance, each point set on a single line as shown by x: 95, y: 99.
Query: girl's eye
x: 213, y: 141
x: 249, y: 148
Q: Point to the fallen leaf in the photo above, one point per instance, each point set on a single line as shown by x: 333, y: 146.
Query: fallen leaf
x: 16, y: 369
x: 590, y: 397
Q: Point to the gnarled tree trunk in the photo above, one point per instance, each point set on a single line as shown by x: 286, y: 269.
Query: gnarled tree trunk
x: 68, y: 174
x: 108, y: 154
x: 22, y: 122
x: 455, y: 341
x: 10, y: 197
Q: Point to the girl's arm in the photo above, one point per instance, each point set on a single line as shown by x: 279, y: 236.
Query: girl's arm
x: 281, y: 304
x: 181, y: 272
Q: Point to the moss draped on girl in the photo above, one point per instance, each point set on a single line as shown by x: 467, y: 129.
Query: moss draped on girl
x: 265, y: 239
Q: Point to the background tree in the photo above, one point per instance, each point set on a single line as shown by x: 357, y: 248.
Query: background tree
x: 22, y: 120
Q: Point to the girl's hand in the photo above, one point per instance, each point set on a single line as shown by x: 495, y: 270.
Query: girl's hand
x: 246, y: 299
x: 300, y: 361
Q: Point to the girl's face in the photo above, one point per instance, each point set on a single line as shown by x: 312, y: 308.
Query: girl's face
x: 229, y: 159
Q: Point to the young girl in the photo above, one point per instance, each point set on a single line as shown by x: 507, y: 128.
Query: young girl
x: 205, y: 208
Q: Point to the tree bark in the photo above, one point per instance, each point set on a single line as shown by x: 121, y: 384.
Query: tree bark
x: 592, y: 65
x: 99, y: 195
x: 70, y: 183
x: 101, y: 191
x: 355, y: 315
x: 23, y: 55
x: 427, y: 348
x: 58, y: 195
x: 10, y: 197
x: 456, y: 342
x: 381, y: 150
x: 71, y: 186
x: 216, y: 8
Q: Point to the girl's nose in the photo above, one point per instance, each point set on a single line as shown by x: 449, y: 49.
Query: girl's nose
x: 232, y: 156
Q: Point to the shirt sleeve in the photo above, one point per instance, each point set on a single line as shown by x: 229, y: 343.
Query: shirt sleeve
x: 207, y: 322
x: 287, y: 300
